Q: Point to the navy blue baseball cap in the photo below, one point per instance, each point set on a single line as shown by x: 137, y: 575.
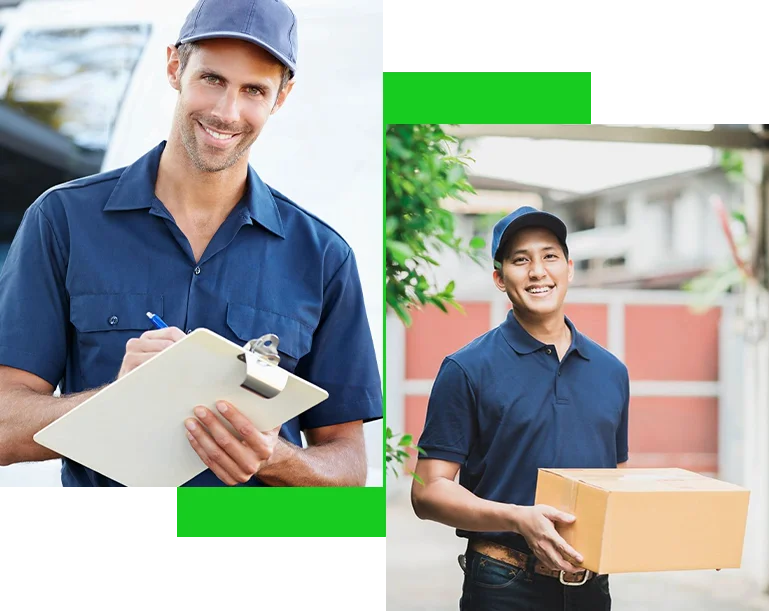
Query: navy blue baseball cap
x: 525, y: 216
x: 269, y: 24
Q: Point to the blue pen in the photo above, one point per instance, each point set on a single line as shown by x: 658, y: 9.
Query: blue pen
x: 157, y: 321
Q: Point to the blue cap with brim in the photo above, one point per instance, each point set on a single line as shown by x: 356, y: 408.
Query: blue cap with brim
x: 525, y: 216
x: 269, y: 24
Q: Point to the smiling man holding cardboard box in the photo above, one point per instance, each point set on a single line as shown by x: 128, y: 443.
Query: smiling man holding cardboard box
x: 533, y: 392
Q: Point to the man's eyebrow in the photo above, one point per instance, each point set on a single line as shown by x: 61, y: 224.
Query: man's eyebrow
x: 264, y: 87
x: 525, y: 251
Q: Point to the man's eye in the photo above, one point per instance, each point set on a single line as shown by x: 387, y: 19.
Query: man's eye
x: 254, y: 91
x: 210, y: 79
x: 519, y: 260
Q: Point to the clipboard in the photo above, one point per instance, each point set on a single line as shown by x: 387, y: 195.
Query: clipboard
x: 133, y: 430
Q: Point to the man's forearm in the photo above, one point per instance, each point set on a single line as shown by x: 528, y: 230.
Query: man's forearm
x: 336, y: 463
x: 445, y: 501
x: 23, y: 412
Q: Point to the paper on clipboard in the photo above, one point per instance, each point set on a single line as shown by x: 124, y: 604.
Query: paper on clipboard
x: 133, y: 430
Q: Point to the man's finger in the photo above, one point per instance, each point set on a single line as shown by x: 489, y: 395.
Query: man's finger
x: 170, y: 333
x: 215, y: 468
x: 548, y: 556
x: 245, y: 457
x: 566, y: 550
x: 217, y: 455
x: 153, y: 346
x: 256, y: 440
x: 565, y: 565
x: 558, y: 562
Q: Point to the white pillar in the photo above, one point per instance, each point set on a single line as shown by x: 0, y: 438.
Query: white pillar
x: 756, y: 393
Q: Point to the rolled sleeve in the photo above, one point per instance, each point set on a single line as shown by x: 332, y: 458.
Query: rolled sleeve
x: 33, y: 300
x: 342, y: 359
x: 451, y: 423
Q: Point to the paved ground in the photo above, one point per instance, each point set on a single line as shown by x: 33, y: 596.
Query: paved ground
x: 423, y: 574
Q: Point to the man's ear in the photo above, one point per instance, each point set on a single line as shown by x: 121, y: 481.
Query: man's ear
x: 283, y: 95
x: 172, y: 67
x: 571, y: 270
x: 499, y: 280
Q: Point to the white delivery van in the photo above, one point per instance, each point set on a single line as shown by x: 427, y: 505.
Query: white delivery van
x: 83, y: 89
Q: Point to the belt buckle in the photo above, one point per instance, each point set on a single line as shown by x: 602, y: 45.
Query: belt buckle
x: 575, y: 583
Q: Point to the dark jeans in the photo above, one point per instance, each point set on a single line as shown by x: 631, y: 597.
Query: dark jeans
x: 491, y: 585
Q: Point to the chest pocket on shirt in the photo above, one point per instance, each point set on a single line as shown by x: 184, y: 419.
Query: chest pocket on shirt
x: 246, y: 323
x: 104, y: 324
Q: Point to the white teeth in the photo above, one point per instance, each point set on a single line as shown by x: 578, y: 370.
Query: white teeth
x: 219, y: 136
x: 539, y: 290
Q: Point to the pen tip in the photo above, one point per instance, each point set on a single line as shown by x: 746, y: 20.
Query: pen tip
x: 150, y: 315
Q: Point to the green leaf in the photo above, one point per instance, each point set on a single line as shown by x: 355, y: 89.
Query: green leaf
x: 401, y: 312
x: 399, y: 251
x: 477, y: 243
x: 405, y: 440
x: 438, y: 302
x: 422, y: 171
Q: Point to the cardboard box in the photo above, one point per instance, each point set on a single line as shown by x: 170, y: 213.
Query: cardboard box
x: 636, y: 520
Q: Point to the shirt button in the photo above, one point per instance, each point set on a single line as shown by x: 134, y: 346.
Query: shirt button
x: 549, y: 351
x: 197, y: 271
x: 559, y: 373
x: 189, y: 331
x: 113, y: 320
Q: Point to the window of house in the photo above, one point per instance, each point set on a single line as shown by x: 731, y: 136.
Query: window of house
x: 583, y: 216
x: 614, y: 213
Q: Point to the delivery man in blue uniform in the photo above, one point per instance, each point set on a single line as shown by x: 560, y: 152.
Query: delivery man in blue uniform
x: 190, y: 232
x: 533, y: 392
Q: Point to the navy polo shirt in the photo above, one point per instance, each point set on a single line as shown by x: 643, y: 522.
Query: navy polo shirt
x: 92, y: 256
x: 504, y: 406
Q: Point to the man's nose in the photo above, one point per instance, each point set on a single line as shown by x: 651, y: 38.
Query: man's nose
x: 226, y: 109
x: 536, y: 269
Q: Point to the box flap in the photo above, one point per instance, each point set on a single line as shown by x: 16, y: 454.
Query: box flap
x: 644, y: 480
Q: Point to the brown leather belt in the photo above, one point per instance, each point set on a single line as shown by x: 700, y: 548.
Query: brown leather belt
x: 520, y: 560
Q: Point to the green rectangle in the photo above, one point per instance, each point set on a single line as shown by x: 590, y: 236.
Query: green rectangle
x: 487, y: 97
x: 280, y: 512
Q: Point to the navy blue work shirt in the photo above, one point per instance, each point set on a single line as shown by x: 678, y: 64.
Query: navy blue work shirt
x: 504, y: 406
x: 92, y: 256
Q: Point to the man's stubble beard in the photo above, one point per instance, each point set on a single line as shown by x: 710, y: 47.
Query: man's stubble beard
x: 193, y: 146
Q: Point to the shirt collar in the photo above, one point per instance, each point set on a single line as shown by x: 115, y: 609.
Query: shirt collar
x: 523, y: 343
x: 135, y: 190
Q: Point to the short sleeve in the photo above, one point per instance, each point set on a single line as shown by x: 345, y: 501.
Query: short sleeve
x: 342, y: 359
x: 451, y: 423
x: 33, y: 300
x: 622, y: 430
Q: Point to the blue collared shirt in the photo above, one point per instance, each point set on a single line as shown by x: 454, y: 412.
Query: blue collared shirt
x: 504, y: 406
x: 92, y: 256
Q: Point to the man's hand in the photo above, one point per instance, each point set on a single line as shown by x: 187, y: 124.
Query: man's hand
x: 139, y: 350
x: 537, y: 525
x: 231, y: 459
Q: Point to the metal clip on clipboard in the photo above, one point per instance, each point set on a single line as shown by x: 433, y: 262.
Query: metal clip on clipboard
x: 263, y: 376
